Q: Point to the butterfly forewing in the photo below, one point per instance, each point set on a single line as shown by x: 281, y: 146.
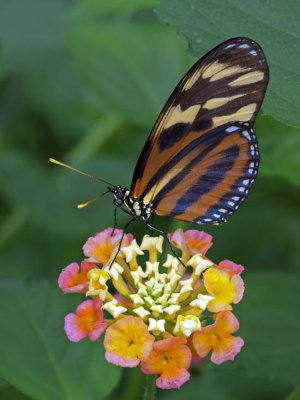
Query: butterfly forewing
x: 197, y: 164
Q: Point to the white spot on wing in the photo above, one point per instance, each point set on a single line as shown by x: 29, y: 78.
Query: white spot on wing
x: 235, y: 198
x: 245, y: 181
x: 230, y: 203
x: 246, y: 134
x: 232, y: 129
x: 243, y: 46
x: 222, y: 210
x: 253, y: 52
x: 229, y: 46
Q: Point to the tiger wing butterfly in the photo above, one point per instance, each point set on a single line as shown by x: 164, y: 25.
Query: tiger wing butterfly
x: 201, y: 157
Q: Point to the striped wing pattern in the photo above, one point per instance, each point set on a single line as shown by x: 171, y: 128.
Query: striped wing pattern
x: 201, y: 157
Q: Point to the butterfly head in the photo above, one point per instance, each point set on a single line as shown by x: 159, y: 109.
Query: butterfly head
x: 119, y: 193
x: 136, y: 207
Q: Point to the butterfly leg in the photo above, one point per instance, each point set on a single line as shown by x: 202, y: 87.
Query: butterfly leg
x: 119, y: 205
x: 152, y: 223
x: 122, y: 237
x: 115, y: 220
x: 169, y: 241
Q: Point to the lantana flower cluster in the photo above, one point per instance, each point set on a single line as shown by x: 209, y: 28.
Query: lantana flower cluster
x: 161, y: 313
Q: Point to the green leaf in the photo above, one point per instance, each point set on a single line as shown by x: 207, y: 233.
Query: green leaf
x: 115, y: 7
x: 269, y: 325
x: 3, y: 384
x: 273, y: 24
x: 36, y: 356
x: 56, y: 92
x: 106, y: 128
x: 279, y: 147
x: 29, y: 30
x: 42, y: 75
x: 10, y: 393
x: 128, y: 65
x: 295, y: 395
x: 223, y: 383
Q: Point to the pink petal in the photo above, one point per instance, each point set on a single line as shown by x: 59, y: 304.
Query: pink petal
x: 175, y: 341
x: 178, y: 239
x: 230, y: 347
x: 71, y: 274
x: 197, y: 360
x: 199, y: 240
x: 86, y: 266
x: 173, y: 382
x: 72, y: 329
x: 123, y: 361
x: 98, y: 306
x: 145, y: 368
x: 217, y: 306
x: 201, y: 345
x: 76, y: 289
x: 226, y: 322
x: 98, y: 328
x: 238, y: 287
x: 95, y: 303
x: 191, y: 241
x: 104, y: 238
x: 84, y: 306
x: 67, y: 275
x: 89, y: 246
x: 127, y: 239
x: 76, y: 331
x: 231, y: 267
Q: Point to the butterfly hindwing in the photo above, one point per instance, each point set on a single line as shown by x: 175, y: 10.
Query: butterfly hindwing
x: 217, y: 178
x: 191, y: 164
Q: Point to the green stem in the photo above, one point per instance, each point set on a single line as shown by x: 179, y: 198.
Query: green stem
x: 150, y: 387
x: 134, y: 379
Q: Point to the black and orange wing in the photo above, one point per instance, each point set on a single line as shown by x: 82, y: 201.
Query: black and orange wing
x: 201, y: 158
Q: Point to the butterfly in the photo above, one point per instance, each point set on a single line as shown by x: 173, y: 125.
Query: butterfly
x: 201, y: 157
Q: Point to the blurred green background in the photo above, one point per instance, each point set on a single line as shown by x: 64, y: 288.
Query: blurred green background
x: 83, y: 81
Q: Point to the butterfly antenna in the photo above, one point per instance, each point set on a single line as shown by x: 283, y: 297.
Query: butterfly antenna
x: 80, y: 172
x: 92, y: 201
